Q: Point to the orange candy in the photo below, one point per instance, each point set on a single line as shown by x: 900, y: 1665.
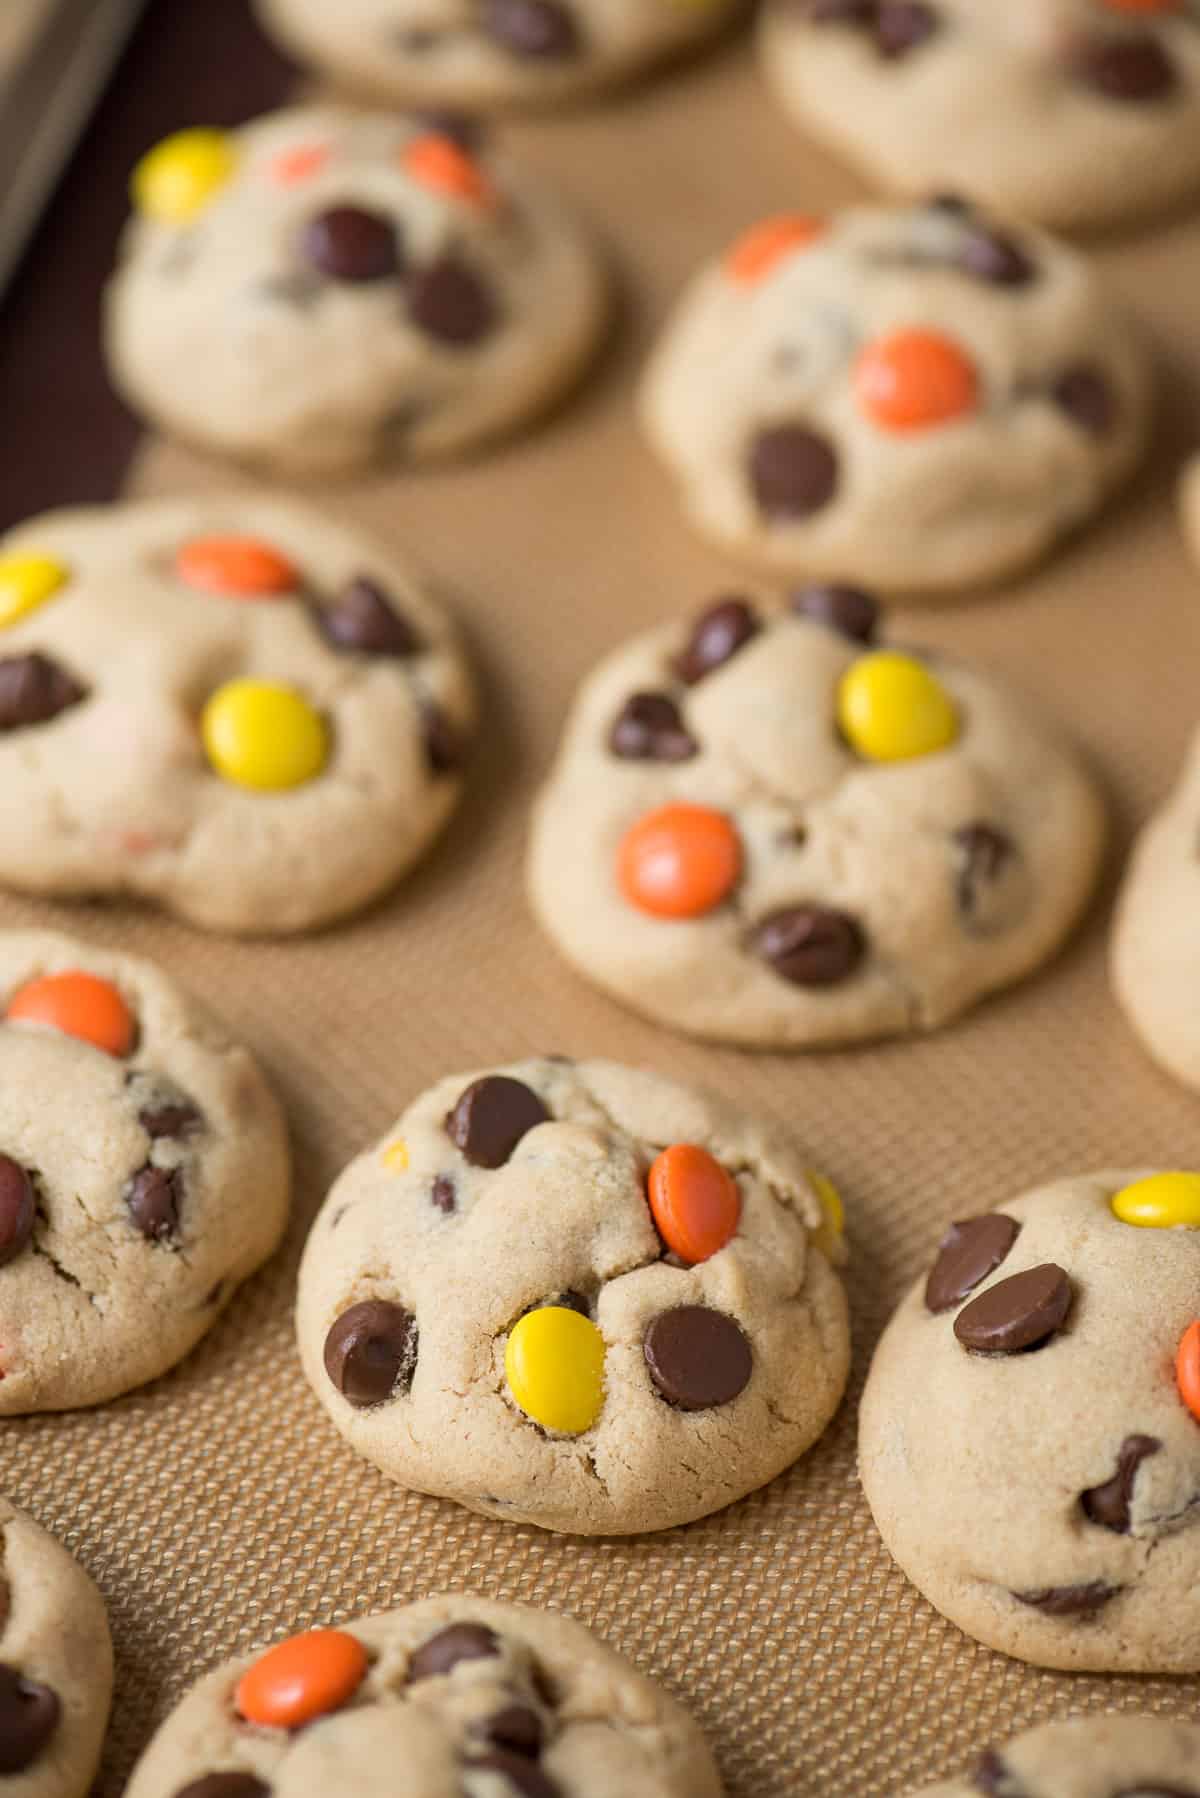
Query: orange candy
x: 757, y: 251
x: 302, y: 1679
x: 913, y: 379
x: 695, y: 1201
x: 79, y: 1005
x: 438, y: 162
x: 1187, y: 1369
x: 290, y: 167
x: 679, y: 862
x: 245, y: 566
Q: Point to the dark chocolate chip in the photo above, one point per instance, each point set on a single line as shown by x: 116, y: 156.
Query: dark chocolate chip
x: 996, y: 258
x: 170, y: 1116
x: 1157, y: 1791
x: 969, y: 1251
x: 1129, y: 69
x: 348, y: 243
x: 840, y: 12
x: 810, y: 946
x: 985, y: 855
x: 225, y: 1785
x: 33, y: 690
x: 361, y: 619
x: 903, y: 25
x: 152, y: 1198
x: 18, y: 1209
x: 445, y: 749
x: 492, y: 1116
x: 573, y: 1301
x: 1018, y: 1313
x: 444, y: 1195
x: 1069, y: 1601
x: 697, y: 1357
x: 650, y: 728
x: 1083, y: 392
x: 1108, y: 1505
x: 716, y: 637
x: 450, y: 302
x: 457, y: 1642
x: 516, y: 1728
x: 462, y: 128
x: 524, y: 1776
x: 371, y: 1352
x: 995, y: 1777
x: 847, y: 610
x: 793, y: 471
x: 29, y: 1716
x: 5, y: 1601
x: 540, y: 29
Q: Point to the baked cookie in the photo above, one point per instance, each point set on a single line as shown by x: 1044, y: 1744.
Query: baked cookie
x: 912, y: 397
x: 56, y: 1661
x: 1065, y: 112
x: 1029, y: 1439
x: 577, y: 1295
x: 1088, y: 1757
x: 325, y: 289
x: 143, y: 1173
x: 230, y: 707
x: 470, y: 1698
x: 485, y: 54
x: 765, y: 830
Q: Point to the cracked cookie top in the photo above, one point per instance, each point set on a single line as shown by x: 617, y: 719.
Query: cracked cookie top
x: 1029, y: 1437
x: 577, y: 1295
x: 143, y: 1173
x: 765, y: 828
x: 1087, y: 1757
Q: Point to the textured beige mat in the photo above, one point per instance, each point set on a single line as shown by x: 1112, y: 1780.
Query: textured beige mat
x: 218, y: 1509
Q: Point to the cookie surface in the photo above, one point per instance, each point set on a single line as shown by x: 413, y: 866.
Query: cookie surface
x: 657, y: 1331
x: 765, y: 831
x: 1087, y: 1757
x: 471, y: 1698
x: 56, y: 1665
x: 1029, y: 1438
x: 232, y: 708
x: 325, y: 289
x: 913, y: 397
x: 143, y: 1173
x: 1031, y: 105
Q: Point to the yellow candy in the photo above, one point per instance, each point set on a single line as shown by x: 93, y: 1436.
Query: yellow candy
x: 27, y: 582
x: 555, y: 1367
x: 1162, y: 1202
x: 260, y: 734
x: 179, y: 176
x: 891, y: 708
x: 395, y: 1156
x: 833, y: 1228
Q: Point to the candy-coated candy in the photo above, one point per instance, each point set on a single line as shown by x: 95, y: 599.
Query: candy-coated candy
x: 554, y: 1363
x: 395, y: 1156
x: 302, y: 1679
x: 438, y: 162
x: 1187, y: 1369
x: 261, y: 734
x: 1161, y: 1202
x: 289, y: 167
x: 911, y: 380
x: 245, y: 566
x: 79, y: 1005
x: 890, y: 708
x: 27, y: 582
x: 757, y: 251
x: 833, y: 1223
x: 179, y: 176
x: 679, y: 861
x: 695, y: 1201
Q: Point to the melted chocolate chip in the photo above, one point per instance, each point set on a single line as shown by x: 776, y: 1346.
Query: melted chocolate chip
x: 996, y: 258
x: 1157, y: 1791
x: 462, y: 128
x: 444, y: 1195
x: 986, y: 857
x: 810, y: 946
x: 847, y: 610
x: 1021, y: 1312
x: 516, y: 1728
x: 697, y: 1357
x: 572, y: 1301
x: 152, y: 1198
x: 18, y: 1209
x: 33, y: 690
x: 5, y: 1601
x: 457, y: 1642
x: 29, y: 1716
x: 995, y: 1777
x: 170, y: 1116
x: 538, y: 29
x: 348, y: 243
x: 969, y: 1251
x: 361, y: 619
x: 902, y: 26
x: 450, y: 302
x: 793, y: 471
x: 445, y: 750
x: 716, y: 637
x: 1084, y: 394
x: 492, y: 1116
x: 371, y: 1352
x: 1128, y: 69
x: 225, y: 1785
x: 840, y: 12
x: 650, y: 728
x: 1108, y: 1505
x: 524, y: 1776
x: 1069, y: 1601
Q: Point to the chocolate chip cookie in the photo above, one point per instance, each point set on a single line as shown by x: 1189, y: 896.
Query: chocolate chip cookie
x: 1029, y: 1437
x: 1065, y: 112
x: 143, y: 1173
x: 1087, y: 1757
x: 323, y: 289
x: 231, y: 708
x: 918, y: 398
x: 763, y: 828
x: 577, y: 1295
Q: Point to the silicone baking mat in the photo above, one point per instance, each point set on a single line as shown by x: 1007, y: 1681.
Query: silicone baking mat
x: 217, y: 1508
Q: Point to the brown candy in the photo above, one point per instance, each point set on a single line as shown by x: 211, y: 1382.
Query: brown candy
x: 152, y: 1198
x: 444, y: 1195
x: 371, y: 1352
x: 847, y: 610
x: 451, y: 303
x: 969, y: 1251
x: 516, y: 1728
x: 443, y: 1652
x: 697, y: 1357
x: 650, y: 728
x: 716, y: 637
x: 33, y: 690
x: 1069, y: 1601
x: 809, y: 945
x: 903, y: 25
x: 492, y: 1116
x: 1128, y: 69
x: 360, y: 619
x: 1084, y: 394
x: 445, y: 750
x: 537, y: 29
x: 524, y: 1776
x: 1108, y: 1505
x: 18, y: 1209
x: 225, y: 1785
x: 29, y: 1716
x: 1018, y: 1313
x: 793, y: 471
x: 350, y: 244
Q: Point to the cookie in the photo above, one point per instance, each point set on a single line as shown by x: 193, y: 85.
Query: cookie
x: 765, y: 829
x: 472, y: 1699
x: 1087, y: 1757
x: 56, y: 1660
x: 486, y: 54
x: 1065, y: 112
x: 577, y: 1295
x: 917, y: 398
x: 229, y: 707
x: 1029, y: 1438
x: 323, y: 289
x: 143, y: 1173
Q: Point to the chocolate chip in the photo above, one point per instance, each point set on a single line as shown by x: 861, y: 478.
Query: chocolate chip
x: 492, y: 1116
x: 1069, y: 1601
x: 996, y: 258
x: 362, y: 619
x: 445, y: 750
x: 847, y: 610
x: 371, y: 1352
x: 716, y: 637
x: 18, y: 1209
x: 1084, y: 394
x: 444, y: 1195
x: 29, y: 1716
x: 970, y: 1250
x: 697, y: 1357
x: 810, y: 946
x: 457, y: 1642
x: 348, y: 243
x: 1108, y: 1505
x: 462, y: 128
x: 152, y: 1198
x: 170, y: 1116
x: 225, y: 1785
x: 516, y: 1728
x: 573, y: 1301
x: 532, y: 28
x: 995, y: 1777
x: 5, y: 1601
x: 985, y: 857
x: 33, y: 690
x: 793, y: 471
x: 524, y: 1776
x: 1018, y: 1313
x: 840, y: 12
x: 1128, y: 69
x: 650, y: 728
x: 1157, y: 1791
x: 903, y: 25
x: 451, y: 303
